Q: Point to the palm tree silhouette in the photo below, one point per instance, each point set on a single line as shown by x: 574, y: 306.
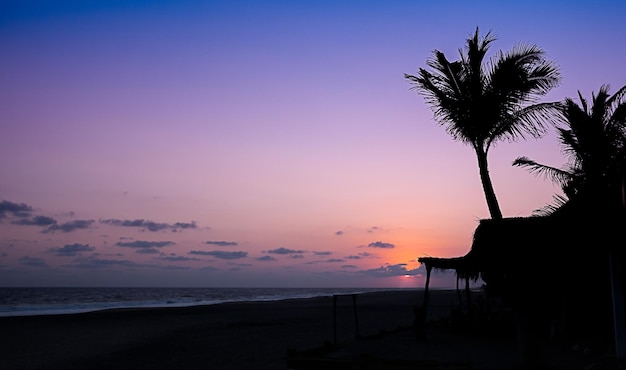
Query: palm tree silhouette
x: 481, y: 102
x: 594, y: 138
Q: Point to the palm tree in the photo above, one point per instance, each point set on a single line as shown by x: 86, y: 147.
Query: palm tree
x: 594, y: 138
x: 593, y: 208
x: 481, y: 102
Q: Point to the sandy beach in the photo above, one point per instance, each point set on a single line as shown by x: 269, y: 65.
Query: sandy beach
x: 259, y: 335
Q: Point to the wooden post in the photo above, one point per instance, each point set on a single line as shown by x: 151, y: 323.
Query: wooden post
x: 335, y: 319
x: 426, y: 293
x: 357, y: 334
x: 421, y: 313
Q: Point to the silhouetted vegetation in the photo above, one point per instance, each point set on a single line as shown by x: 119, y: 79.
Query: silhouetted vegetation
x: 560, y: 269
x: 481, y: 102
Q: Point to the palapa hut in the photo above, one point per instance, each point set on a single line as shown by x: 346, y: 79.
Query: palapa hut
x: 565, y: 266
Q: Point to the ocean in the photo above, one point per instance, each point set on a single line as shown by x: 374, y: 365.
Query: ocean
x: 54, y: 301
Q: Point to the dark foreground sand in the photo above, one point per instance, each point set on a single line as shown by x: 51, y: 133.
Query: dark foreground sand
x: 258, y: 335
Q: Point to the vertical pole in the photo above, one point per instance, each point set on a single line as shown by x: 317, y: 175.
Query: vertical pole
x: 468, y: 294
x: 421, y: 313
x: 618, y: 309
x: 356, y: 318
x: 335, y: 319
x: 426, y: 293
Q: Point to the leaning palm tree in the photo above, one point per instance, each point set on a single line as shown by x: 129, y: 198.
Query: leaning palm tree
x: 594, y: 138
x: 483, y: 101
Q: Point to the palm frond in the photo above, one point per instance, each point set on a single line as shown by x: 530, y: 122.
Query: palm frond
x: 548, y: 209
x: 557, y: 175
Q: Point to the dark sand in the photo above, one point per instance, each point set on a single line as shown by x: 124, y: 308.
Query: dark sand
x: 258, y: 335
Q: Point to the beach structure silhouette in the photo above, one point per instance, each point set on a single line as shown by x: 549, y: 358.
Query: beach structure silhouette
x: 523, y: 260
x: 565, y: 265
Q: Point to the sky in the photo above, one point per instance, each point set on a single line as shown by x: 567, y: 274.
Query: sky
x: 260, y: 144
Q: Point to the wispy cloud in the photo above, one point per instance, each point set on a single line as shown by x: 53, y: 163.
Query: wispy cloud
x: 334, y: 260
x: 380, y: 244
x: 148, y: 225
x: 361, y: 255
x: 33, y: 261
x: 282, y: 250
x: 266, y: 258
x: 390, y: 270
x: 69, y: 250
x: 69, y: 226
x: 174, y: 258
x: 144, y: 244
x: 222, y: 254
x: 89, y: 263
x: 36, y: 221
x: 221, y: 243
x: 322, y: 253
x: 8, y: 209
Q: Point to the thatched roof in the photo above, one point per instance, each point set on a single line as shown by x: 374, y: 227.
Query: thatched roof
x: 549, y: 242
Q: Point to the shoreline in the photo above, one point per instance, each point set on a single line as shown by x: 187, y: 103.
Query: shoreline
x: 62, y: 303
x: 251, y: 335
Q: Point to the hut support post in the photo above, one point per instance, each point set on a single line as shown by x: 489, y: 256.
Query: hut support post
x: 422, y: 312
x: 426, y: 292
x: 468, y: 295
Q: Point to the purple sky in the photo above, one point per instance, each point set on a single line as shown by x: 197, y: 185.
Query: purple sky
x: 275, y: 143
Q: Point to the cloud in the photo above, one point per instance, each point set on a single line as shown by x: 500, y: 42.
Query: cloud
x: 282, y: 250
x: 296, y: 256
x: 266, y: 258
x: 36, y: 221
x: 149, y: 225
x: 339, y: 232
x: 174, y: 258
x: 391, y: 270
x: 33, y: 261
x: 240, y: 264
x: 333, y: 260
x: 373, y: 229
x: 72, y: 249
x: 148, y: 251
x: 174, y: 267
x: 221, y: 243
x: 101, y: 263
x: 222, y: 254
x: 14, y: 209
x: 361, y: 255
x: 144, y: 244
x: 323, y: 253
x: 69, y: 226
x: 348, y: 266
x: 380, y: 244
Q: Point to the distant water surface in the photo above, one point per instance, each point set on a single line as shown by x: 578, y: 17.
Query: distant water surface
x: 51, y: 301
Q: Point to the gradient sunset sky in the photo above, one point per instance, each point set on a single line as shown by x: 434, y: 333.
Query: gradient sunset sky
x: 259, y: 143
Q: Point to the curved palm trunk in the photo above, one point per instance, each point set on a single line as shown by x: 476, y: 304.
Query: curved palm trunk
x: 490, y: 194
